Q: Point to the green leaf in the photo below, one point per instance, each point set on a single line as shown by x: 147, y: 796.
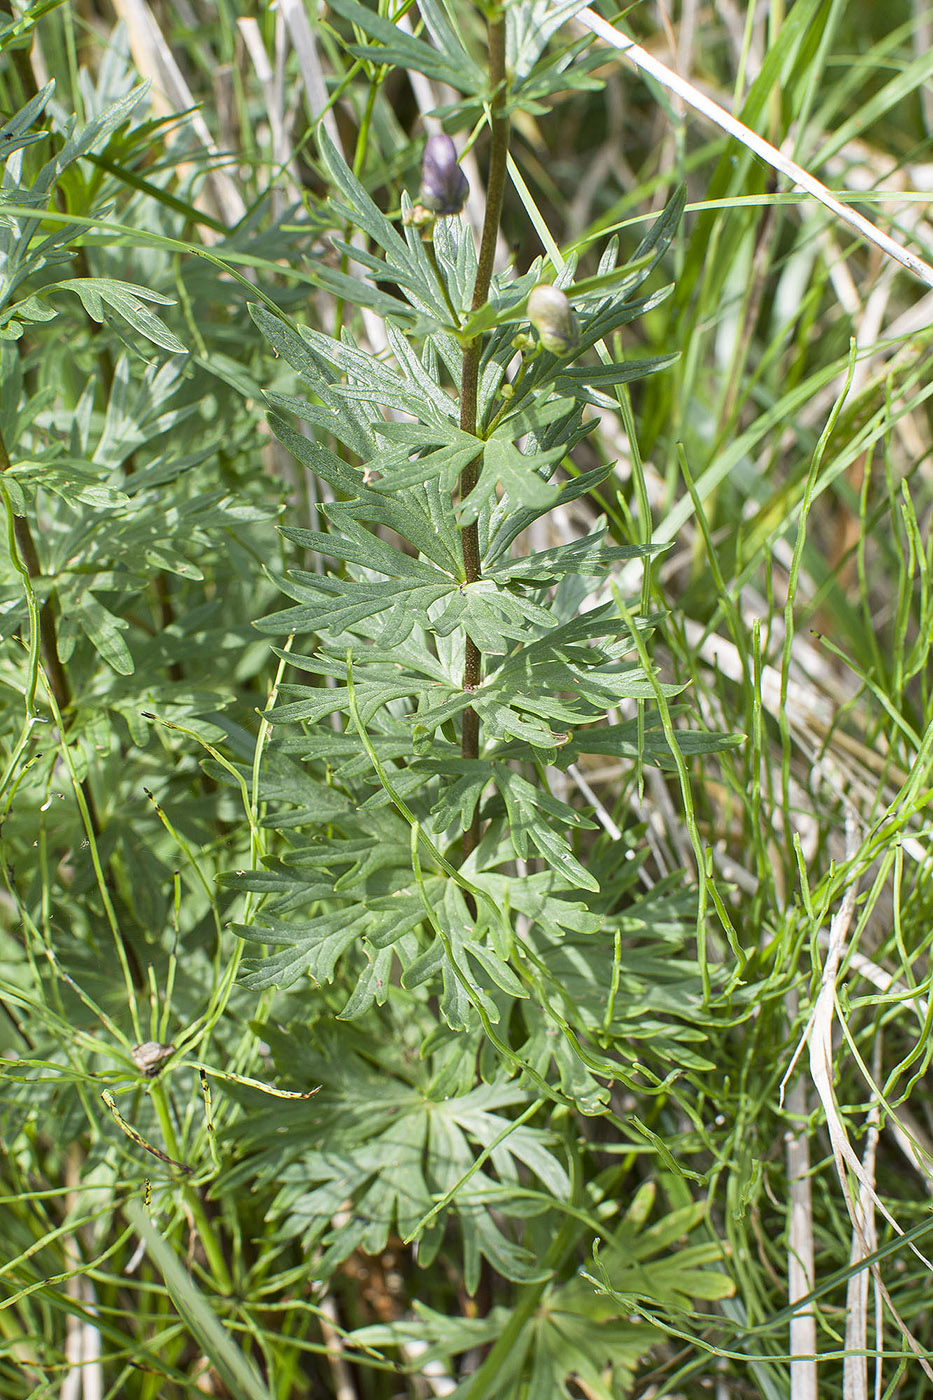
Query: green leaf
x: 519, y: 476
x: 359, y: 293
x: 81, y: 141
x: 391, y: 1150
x: 399, y: 469
x: 587, y: 383
x: 310, y: 949
x: 530, y: 25
x: 103, y: 630
x: 127, y: 299
x: 365, y: 214
x: 335, y: 605
x: 587, y: 556
x: 16, y: 133
x: 319, y: 459
x: 403, y: 51
x: 528, y: 808
x: 236, y: 1370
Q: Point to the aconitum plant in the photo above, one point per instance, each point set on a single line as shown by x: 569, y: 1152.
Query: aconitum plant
x: 469, y: 954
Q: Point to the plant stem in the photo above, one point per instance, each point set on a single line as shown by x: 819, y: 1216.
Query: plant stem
x: 212, y: 1245
x: 58, y: 684
x: 48, y: 641
x: 469, y: 380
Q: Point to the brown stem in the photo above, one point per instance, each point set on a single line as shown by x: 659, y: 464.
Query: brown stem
x: 57, y: 676
x: 469, y: 379
x: 48, y: 639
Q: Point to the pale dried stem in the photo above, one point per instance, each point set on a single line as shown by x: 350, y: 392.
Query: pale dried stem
x: 753, y: 142
x: 170, y: 93
x: 285, y: 184
x: 309, y: 65
x: 818, y: 1035
x: 864, y: 1240
x: 800, y: 1264
x: 328, y: 1322
x: 84, y: 1378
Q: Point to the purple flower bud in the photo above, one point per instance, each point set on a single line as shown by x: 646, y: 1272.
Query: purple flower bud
x: 444, y: 186
x: 552, y: 316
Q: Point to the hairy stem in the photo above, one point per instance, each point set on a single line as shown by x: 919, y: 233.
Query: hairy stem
x: 469, y: 380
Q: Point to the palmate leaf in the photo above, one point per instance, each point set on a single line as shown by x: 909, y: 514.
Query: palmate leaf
x: 533, y: 416
x: 540, y: 896
x: 399, y: 469
x: 24, y: 252
x: 355, y: 374
x: 529, y: 27
x: 588, y: 383
x: 508, y: 519
x: 360, y: 293
x: 609, y: 305
x: 16, y: 134
x: 409, y: 669
x: 421, y: 515
x: 555, y: 1057
x: 567, y: 68
x: 466, y: 984
x: 555, y: 680
x: 80, y: 141
x: 330, y: 604
x: 403, y: 599
x: 284, y: 781
x: 645, y: 259
x: 418, y: 514
x: 520, y: 475
x: 578, y: 1339
x: 374, y: 692
x: 365, y: 913
x: 333, y: 418
x: 529, y: 808
x: 574, y: 1342
x: 627, y: 1267
x: 378, y: 682
x: 362, y: 888
x: 392, y: 1165
x: 658, y: 1017
x: 545, y: 693
x: 312, y: 948
x: 365, y: 902
x: 533, y: 814
x: 356, y: 545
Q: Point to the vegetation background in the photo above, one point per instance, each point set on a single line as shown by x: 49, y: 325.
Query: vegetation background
x: 711, y: 1171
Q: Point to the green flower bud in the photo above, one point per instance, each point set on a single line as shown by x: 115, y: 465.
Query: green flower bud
x: 551, y: 314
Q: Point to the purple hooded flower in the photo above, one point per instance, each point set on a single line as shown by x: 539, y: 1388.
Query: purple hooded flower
x: 444, y: 186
